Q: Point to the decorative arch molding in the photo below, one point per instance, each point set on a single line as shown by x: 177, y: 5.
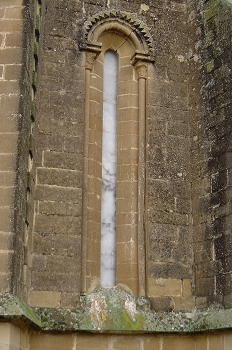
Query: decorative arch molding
x: 129, y: 38
x: 131, y: 28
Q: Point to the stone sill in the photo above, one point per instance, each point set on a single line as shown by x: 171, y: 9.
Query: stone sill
x: 114, y: 311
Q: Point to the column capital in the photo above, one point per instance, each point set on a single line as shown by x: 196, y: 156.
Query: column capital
x: 89, y: 59
x: 141, y: 68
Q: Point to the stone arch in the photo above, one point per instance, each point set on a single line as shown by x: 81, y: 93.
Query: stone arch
x: 122, y: 22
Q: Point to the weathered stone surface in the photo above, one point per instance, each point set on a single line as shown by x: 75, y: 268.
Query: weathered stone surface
x: 188, y: 212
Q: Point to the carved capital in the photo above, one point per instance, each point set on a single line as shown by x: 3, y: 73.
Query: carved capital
x: 141, y: 68
x: 89, y: 59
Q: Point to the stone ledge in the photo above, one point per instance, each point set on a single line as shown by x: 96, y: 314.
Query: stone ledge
x: 113, y: 310
x: 12, y: 308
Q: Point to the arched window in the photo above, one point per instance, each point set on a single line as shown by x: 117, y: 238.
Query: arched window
x: 113, y: 42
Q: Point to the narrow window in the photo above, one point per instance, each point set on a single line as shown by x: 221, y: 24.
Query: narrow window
x: 109, y: 158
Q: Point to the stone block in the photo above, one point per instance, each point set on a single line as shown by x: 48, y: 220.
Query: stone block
x: 13, y: 40
x: 44, y: 299
x: 204, y: 287
x: 95, y: 152
x: 184, y: 304
x: 5, y: 3
x: 127, y: 233
x: 201, y: 302
x: 5, y: 283
x: 127, y: 218
x: 6, y: 241
x: 228, y: 301
x: 216, y: 341
x: 10, y: 55
x: 57, y: 224
x: 129, y: 285
x: 6, y: 196
x: 125, y: 252
x: 127, y: 74
x: 62, y: 160
x: 42, y: 244
x: 125, y: 206
x: 6, y: 262
x: 10, y: 105
x: 25, y: 339
x: 59, y: 194
x: 96, y: 341
x: 39, y: 262
x: 126, y: 342
x: 127, y: 87
x: 165, y: 304
x: 7, y: 162
x: 13, y: 72
x: 164, y: 287
x: 9, y: 124
x: 9, y: 336
x: 127, y: 172
x: 227, y: 341
x: 203, y: 251
x: 94, y: 168
x: 94, y: 215
x: 60, y: 208
x: 5, y: 219
x: 7, y: 88
x: 8, y: 142
x: 57, y: 263
x: 2, y: 12
x: 152, y: 342
x: 59, y: 177
x: 11, y: 25
x: 60, y: 282
x: 93, y: 249
x: 127, y: 114
x: 93, y: 269
x: 14, y: 13
x: 95, y: 95
x: 125, y: 101
x: 173, y: 269
x: 187, y: 288
x: 70, y: 300
x: 126, y: 157
x: 201, y: 342
x: 179, y: 343
x: 127, y: 270
x: 40, y: 341
x: 127, y: 189
x: 126, y: 142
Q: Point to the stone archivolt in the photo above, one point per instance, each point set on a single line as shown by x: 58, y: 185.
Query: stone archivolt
x: 115, y: 19
x: 118, y: 22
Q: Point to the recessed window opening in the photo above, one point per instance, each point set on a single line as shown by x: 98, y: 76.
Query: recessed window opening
x: 109, y: 165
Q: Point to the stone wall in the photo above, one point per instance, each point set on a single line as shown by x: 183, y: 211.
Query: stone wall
x: 21, y: 339
x: 15, y: 26
x: 188, y: 179
x: 212, y: 229
x: 59, y: 160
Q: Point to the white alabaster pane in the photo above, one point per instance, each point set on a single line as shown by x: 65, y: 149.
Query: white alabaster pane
x: 109, y: 171
x: 107, y: 241
x: 109, y: 91
x: 108, y: 208
x: 107, y: 277
x: 108, y: 204
x: 110, y: 77
x: 109, y: 120
x: 109, y: 146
